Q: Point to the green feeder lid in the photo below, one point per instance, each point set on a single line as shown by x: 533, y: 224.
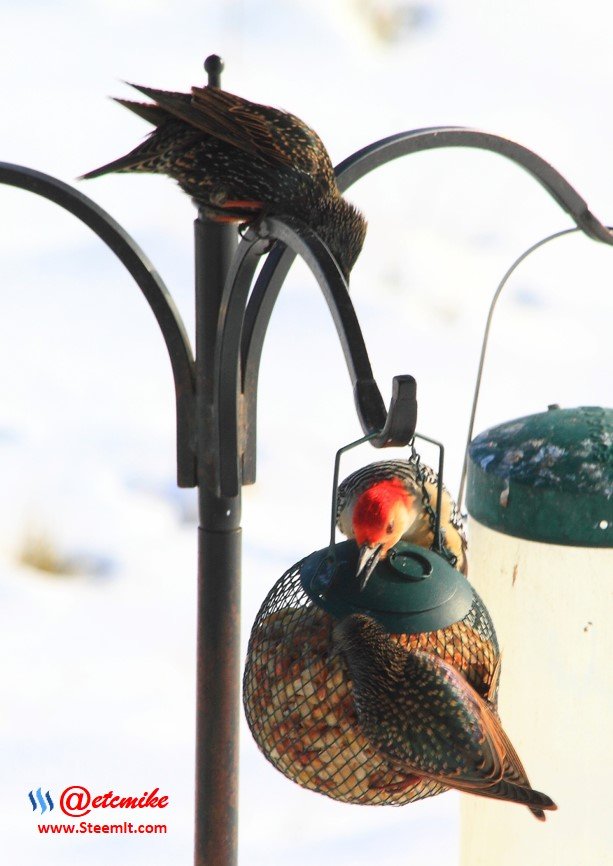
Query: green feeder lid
x: 546, y: 477
x: 412, y: 590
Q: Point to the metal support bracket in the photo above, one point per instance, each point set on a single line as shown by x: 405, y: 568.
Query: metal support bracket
x: 236, y: 417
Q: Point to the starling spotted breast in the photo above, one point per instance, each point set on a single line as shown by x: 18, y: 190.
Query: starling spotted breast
x: 419, y: 712
x: 384, y: 502
x: 240, y: 160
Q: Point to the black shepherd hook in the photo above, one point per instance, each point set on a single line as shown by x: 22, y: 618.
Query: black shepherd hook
x: 216, y: 400
x: 395, y: 427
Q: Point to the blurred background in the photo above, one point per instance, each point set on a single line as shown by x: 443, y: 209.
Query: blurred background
x: 97, y: 545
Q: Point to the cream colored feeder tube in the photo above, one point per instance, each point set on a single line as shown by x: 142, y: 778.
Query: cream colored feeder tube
x: 540, y: 499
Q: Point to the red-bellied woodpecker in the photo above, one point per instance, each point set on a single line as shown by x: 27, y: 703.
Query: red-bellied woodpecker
x: 420, y: 713
x: 391, y: 500
x: 241, y: 160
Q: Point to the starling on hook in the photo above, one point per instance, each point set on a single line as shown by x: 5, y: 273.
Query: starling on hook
x: 240, y: 160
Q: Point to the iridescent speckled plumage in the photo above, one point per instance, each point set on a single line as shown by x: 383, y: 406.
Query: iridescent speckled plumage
x: 241, y: 160
x: 419, y: 712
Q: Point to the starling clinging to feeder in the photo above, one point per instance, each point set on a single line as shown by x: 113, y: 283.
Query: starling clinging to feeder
x: 418, y: 712
x: 395, y: 499
x: 241, y: 160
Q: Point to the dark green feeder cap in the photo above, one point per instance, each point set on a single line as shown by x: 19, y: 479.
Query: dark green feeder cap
x: 412, y: 590
x: 546, y: 477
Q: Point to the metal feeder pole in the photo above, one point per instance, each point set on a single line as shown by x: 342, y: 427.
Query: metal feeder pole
x: 219, y: 571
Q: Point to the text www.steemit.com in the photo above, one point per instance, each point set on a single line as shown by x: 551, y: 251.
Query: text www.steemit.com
x: 126, y: 827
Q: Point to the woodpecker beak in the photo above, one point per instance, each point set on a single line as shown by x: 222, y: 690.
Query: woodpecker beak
x: 369, y: 557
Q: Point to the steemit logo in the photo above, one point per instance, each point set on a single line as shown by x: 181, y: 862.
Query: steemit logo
x: 41, y: 801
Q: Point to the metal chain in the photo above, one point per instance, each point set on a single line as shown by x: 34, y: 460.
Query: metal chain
x: 420, y: 474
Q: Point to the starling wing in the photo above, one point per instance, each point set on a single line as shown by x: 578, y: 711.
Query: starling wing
x: 276, y: 136
x: 422, y: 715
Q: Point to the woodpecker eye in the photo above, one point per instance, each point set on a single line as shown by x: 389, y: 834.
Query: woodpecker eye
x: 390, y: 528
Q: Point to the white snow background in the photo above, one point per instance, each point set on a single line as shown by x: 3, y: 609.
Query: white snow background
x: 98, y: 666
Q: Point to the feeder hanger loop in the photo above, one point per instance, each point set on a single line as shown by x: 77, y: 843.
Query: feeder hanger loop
x: 485, y: 342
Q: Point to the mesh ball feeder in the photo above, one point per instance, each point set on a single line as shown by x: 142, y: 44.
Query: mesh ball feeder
x: 297, y: 691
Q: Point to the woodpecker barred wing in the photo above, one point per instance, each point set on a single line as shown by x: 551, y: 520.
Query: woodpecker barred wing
x: 299, y: 701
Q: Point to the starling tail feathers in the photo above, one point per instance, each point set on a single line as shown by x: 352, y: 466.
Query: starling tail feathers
x: 130, y: 162
x: 151, y: 113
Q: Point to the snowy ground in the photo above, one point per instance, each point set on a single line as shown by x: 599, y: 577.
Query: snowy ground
x: 98, y: 666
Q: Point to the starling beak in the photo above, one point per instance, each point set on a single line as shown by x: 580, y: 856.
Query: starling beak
x: 240, y: 161
x: 418, y: 712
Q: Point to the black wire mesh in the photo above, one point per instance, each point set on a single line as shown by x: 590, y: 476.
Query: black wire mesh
x: 299, y: 704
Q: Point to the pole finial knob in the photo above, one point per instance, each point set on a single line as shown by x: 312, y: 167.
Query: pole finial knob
x: 213, y: 66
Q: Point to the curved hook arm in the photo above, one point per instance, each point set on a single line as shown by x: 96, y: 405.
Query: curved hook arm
x: 151, y: 285
x: 403, y: 143
x: 395, y: 427
x: 268, y: 284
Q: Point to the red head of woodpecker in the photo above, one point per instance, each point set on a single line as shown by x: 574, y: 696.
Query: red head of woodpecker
x: 383, y: 513
x: 394, y: 489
